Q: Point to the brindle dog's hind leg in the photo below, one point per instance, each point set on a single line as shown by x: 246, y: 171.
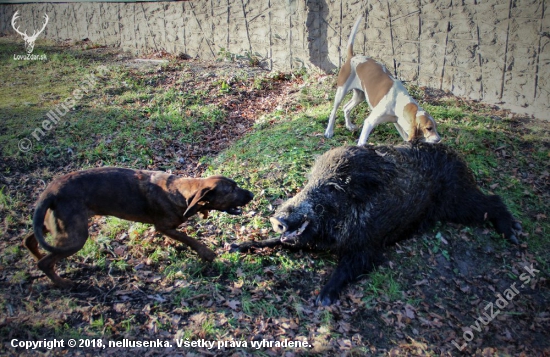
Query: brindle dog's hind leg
x: 30, y: 241
x: 68, y: 234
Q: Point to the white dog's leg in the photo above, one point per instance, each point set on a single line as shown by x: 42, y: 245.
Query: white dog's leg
x: 377, y: 116
x: 340, y: 93
x: 358, y: 98
x: 401, y: 131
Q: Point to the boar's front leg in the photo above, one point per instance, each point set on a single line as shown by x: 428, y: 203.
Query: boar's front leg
x: 247, y: 246
x: 350, y: 266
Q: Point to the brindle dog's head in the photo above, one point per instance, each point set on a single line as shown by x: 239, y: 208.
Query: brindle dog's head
x: 218, y: 193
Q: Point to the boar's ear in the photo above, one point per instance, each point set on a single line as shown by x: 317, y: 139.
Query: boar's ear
x: 196, y: 198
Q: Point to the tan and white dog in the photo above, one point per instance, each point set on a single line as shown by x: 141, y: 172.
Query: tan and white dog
x: 387, y: 97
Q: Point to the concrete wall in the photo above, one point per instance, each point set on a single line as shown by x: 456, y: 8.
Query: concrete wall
x: 497, y: 51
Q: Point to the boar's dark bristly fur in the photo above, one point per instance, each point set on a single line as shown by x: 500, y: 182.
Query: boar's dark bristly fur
x: 360, y: 199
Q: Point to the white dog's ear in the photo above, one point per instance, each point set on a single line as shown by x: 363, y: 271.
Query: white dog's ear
x: 409, y: 112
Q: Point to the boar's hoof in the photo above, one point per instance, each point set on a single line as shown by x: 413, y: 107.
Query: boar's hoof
x: 234, y: 248
x: 326, y: 298
x: 517, y: 229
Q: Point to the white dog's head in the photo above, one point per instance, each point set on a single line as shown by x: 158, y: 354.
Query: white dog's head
x: 422, y: 125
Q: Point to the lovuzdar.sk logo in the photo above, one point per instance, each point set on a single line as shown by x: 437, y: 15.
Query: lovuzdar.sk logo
x: 29, y: 40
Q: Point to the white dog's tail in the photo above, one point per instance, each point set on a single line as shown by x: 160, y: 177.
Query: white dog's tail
x: 352, y: 36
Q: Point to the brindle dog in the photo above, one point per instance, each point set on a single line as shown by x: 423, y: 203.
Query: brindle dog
x: 155, y: 197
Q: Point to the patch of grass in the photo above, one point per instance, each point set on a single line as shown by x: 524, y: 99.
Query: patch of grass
x: 48, y: 79
x: 11, y: 254
x: 94, y: 250
x: 158, y: 254
x: 446, y: 113
x: 182, y: 294
x: 191, y: 266
x: 98, y: 323
x: 251, y: 265
x: 282, y: 155
x: 252, y: 59
x: 326, y: 317
x: 128, y: 324
x: 5, y: 201
x: 19, y: 277
x: 208, y: 328
x: 136, y: 230
x: 114, y: 226
x: 438, y: 248
x: 382, y: 283
x: 268, y: 308
x: 119, y: 117
x: 120, y: 264
x: 247, y: 305
x: 10, y: 203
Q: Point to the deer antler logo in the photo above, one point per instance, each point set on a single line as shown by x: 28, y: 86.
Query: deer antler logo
x: 29, y: 40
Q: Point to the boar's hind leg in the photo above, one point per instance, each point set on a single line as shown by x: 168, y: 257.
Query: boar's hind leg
x: 481, y: 207
x: 349, y: 267
x: 502, y: 219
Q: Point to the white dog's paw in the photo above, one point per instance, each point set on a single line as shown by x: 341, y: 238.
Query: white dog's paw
x: 351, y: 127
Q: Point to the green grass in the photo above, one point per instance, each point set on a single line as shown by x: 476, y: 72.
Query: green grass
x: 114, y: 226
x: 381, y: 283
x: 123, y: 117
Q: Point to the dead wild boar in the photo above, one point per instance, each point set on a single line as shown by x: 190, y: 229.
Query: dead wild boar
x: 359, y: 200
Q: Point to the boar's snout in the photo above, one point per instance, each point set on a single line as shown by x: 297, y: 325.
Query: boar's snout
x: 279, y: 225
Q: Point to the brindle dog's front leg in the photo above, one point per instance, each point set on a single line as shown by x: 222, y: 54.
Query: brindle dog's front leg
x: 202, y: 250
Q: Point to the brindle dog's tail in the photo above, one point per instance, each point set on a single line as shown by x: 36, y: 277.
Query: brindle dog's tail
x: 38, y: 224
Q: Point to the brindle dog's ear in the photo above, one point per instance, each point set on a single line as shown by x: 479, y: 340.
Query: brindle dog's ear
x: 196, y: 198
